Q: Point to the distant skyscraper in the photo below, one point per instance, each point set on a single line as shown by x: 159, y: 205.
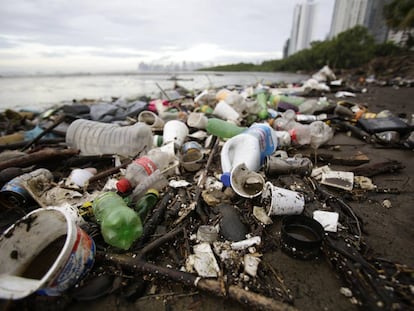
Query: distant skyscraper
x: 349, y: 13
x: 302, y: 27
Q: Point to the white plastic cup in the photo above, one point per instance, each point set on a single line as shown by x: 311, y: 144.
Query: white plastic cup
x: 175, y: 131
x: 197, y: 120
x: 31, y: 260
x: 225, y: 111
x: 151, y: 119
x: 246, y: 183
x: 283, y: 201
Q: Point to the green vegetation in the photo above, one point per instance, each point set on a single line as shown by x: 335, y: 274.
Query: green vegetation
x: 399, y: 15
x: 350, y: 49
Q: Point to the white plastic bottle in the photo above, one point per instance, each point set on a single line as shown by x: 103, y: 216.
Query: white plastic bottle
x: 250, y: 147
x: 97, y: 138
x: 139, y: 170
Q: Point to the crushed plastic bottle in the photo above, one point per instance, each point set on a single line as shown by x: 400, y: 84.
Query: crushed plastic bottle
x: 140, y: 169
x: 120, y: 225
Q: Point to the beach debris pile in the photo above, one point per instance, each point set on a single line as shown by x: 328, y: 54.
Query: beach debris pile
x: 185, y: 188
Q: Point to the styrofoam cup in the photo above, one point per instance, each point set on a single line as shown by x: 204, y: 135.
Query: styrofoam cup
x: 246, y: 183
x: 151, y: 119
x: 197, y: 120
x: 225, y: 111
x: 175, y: 131
x: 282, y: 201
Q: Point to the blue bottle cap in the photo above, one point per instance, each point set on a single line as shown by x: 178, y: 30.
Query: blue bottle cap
x: 225, y: 179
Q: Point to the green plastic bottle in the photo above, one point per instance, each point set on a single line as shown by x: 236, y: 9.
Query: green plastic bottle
x: 146, y: 203
x: 262, y: 102
x: 120, y: 225
x: 223, y: 129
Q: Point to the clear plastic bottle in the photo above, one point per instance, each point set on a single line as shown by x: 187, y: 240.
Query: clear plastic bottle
x: 140, y: 169
x: 97, y: 138
x: 320, y: 134
x: 250, y: 147
x: 286, y: 122
x: 120, y: 225
x: 300, y: 134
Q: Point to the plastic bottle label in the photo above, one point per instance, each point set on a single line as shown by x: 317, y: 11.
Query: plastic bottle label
x: 147, y: 164
x: 293, y: 135
x: 264, y: 136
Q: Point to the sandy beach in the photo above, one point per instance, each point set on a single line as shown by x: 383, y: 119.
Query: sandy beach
x: 313, y: 285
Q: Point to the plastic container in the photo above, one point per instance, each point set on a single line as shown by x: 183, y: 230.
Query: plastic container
x: 300, y: 134
x: 120, y: 225
x: 223, y: 129
x: 146, y: 203
x: 321, y: 133
x: 250, y: 147
x: 262, y: 103
x: 286, y: 121
x: 97, y: 138
x: 48, y: 256
x: 15, y: 192
x: 275, y: 166
x: 140, y: 169
x: 175, y: 131
x: 288, y: 99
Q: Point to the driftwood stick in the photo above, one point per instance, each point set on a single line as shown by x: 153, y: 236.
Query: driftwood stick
x: 21, y: 144
x: 155, y: 219
x: 108, y: 172
x: 38, y: 156
x: 214, y: 287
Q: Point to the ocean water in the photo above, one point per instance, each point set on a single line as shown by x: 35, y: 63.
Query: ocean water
x: 42, y: 92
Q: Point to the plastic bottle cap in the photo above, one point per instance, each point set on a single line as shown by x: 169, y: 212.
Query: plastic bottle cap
x: 225, y: 179
x: 153, y: 191
x: 123, y: 185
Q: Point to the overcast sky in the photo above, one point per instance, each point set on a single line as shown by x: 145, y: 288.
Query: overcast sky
x: 115, y: 35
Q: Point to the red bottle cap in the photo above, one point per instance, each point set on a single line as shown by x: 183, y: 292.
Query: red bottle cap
x: 123, y: 185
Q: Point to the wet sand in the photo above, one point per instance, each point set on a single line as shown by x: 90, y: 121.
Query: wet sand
x: 315, y: 285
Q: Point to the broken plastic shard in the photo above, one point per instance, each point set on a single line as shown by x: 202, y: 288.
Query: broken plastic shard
x: 328, y: 220
x: 204, y: 261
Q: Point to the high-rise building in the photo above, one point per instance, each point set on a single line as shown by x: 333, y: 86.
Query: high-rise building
x: 302, y: 27
x: 369, y: 13
x: 347, y: 14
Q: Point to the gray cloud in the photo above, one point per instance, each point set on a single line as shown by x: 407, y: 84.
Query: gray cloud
x: 142, y: 27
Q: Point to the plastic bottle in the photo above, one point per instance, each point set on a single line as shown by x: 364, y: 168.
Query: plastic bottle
x: 223, y: 129
x: 289, y: 99
x: 286, y: 122
x: 250, y: 147
x: 300, y: 134
x: 140, y: 169
x: 120, y: 225
x: 146, y: 203
x: 262, y: 103
x: 97, y: 138
x: 320, y: 134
